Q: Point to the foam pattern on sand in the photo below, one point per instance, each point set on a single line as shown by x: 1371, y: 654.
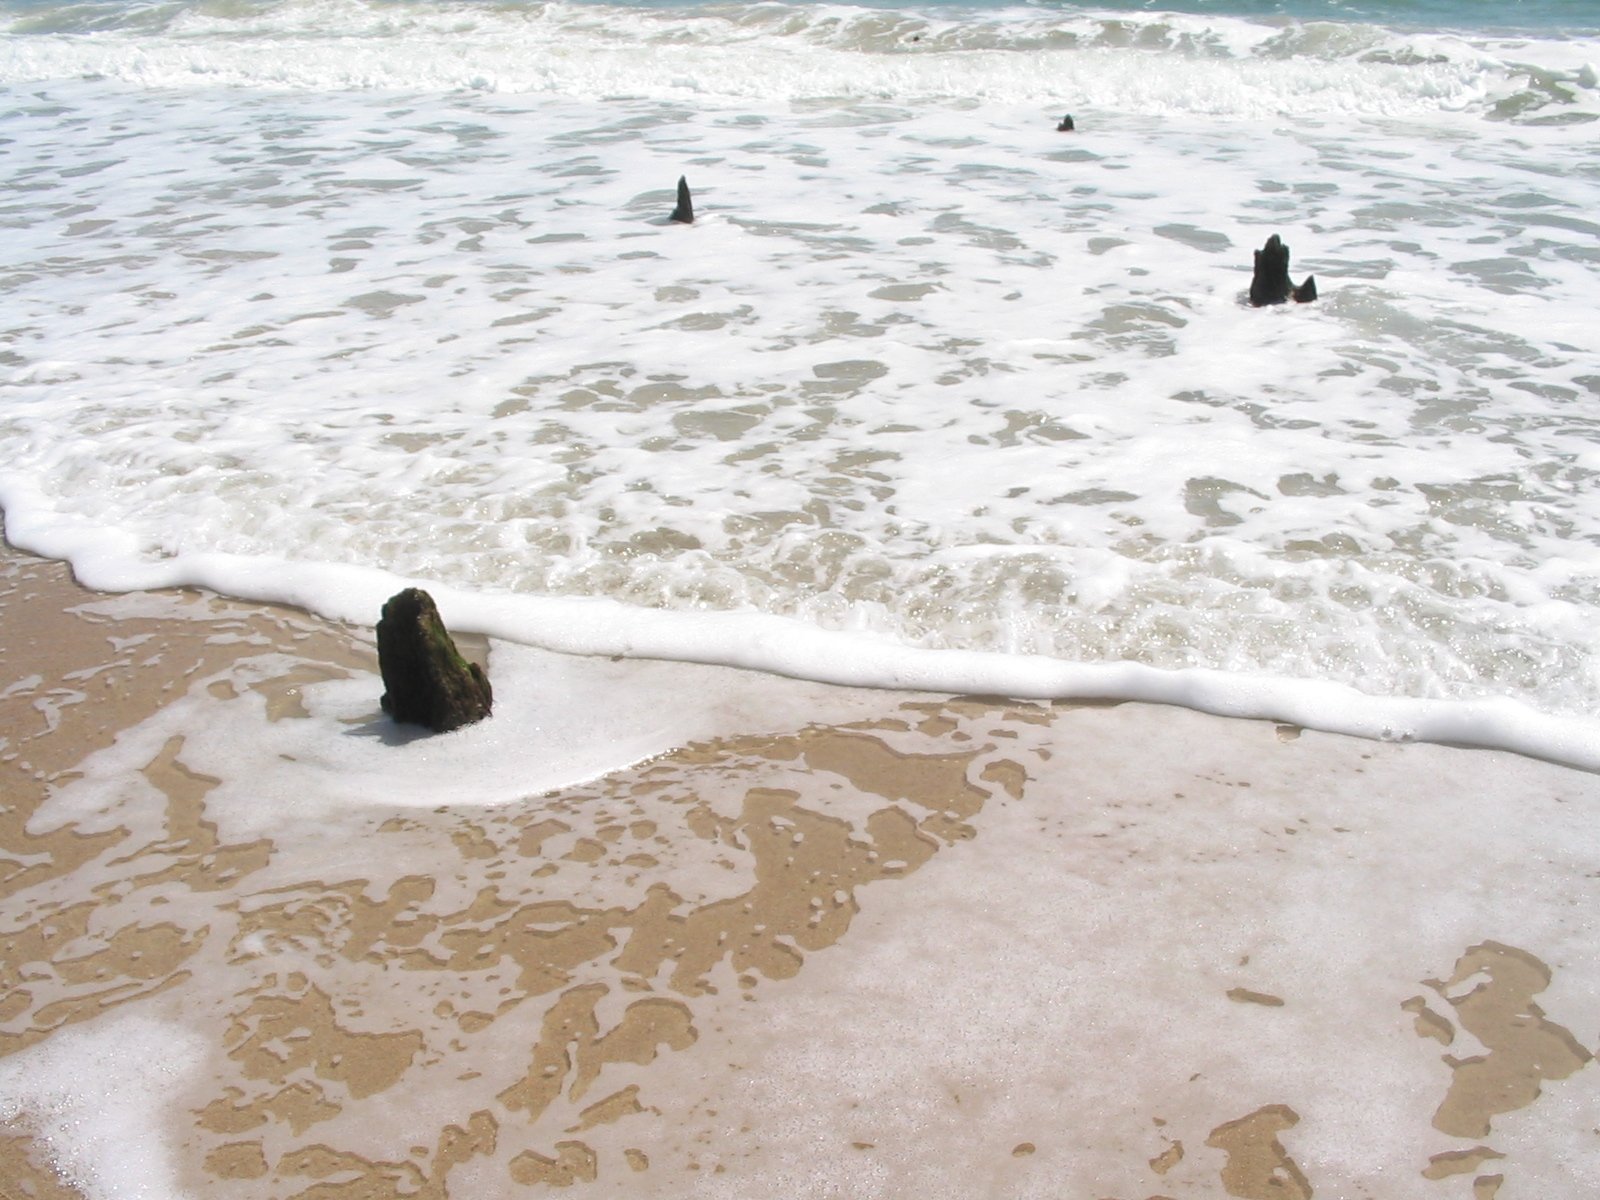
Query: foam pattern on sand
x: 944, y: 946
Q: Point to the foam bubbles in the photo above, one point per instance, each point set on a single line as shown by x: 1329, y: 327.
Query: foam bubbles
x: 75, y: 1089
x: 925, y: 372
x: 1217, y: 65
x: 1142, y: 951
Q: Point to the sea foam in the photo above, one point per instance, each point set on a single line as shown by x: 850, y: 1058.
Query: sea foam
x: 929, y: 390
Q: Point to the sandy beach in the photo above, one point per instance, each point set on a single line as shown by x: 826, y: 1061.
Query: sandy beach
x: 917, y: 945
x: 983, y: 709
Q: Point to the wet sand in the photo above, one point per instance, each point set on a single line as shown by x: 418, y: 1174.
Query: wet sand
x: 918, y: 945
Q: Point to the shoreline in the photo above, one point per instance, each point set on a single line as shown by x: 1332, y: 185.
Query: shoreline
x: 781, y: 647
x: 877, y: 941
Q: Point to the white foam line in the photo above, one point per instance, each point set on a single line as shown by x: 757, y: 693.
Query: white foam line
x: 784, y: 646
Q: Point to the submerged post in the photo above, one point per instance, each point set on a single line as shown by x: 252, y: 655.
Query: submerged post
x: 684, y: 213
x: 1270, y: 284
x: 425, y: 679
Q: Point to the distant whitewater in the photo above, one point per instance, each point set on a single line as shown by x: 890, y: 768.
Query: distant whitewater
x: 1132, y: 61
x: 307, y: 300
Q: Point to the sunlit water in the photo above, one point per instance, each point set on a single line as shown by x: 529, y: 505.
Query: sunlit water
x: 305, y: 300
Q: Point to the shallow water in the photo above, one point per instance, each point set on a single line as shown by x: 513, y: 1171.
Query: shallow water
x: 309, y: 300
x: 818, y: 941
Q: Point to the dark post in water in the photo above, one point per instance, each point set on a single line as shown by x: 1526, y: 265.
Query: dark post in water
x: 685, y: 210
x: 425, y: 679
x: 1271, y: 284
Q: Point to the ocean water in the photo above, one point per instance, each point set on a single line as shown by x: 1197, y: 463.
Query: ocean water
x: 308, y: 300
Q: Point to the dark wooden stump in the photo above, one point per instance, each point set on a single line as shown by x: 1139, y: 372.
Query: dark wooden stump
x: 1270, y: 284
x: 685, y: 210
x: 425, y: 679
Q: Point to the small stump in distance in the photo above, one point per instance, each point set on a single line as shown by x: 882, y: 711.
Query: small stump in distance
x: 684, y: 213
x: 425, y: 679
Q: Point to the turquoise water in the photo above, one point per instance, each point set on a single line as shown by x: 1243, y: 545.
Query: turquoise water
x: 1434, y: 14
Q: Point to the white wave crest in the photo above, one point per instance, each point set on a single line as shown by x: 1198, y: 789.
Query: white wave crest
x: 1149, y: 65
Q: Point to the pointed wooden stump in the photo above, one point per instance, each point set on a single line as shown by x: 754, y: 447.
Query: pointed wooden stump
x: 684, y: 213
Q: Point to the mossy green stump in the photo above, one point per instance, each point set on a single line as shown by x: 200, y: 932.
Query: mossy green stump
x: 425, y: 679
